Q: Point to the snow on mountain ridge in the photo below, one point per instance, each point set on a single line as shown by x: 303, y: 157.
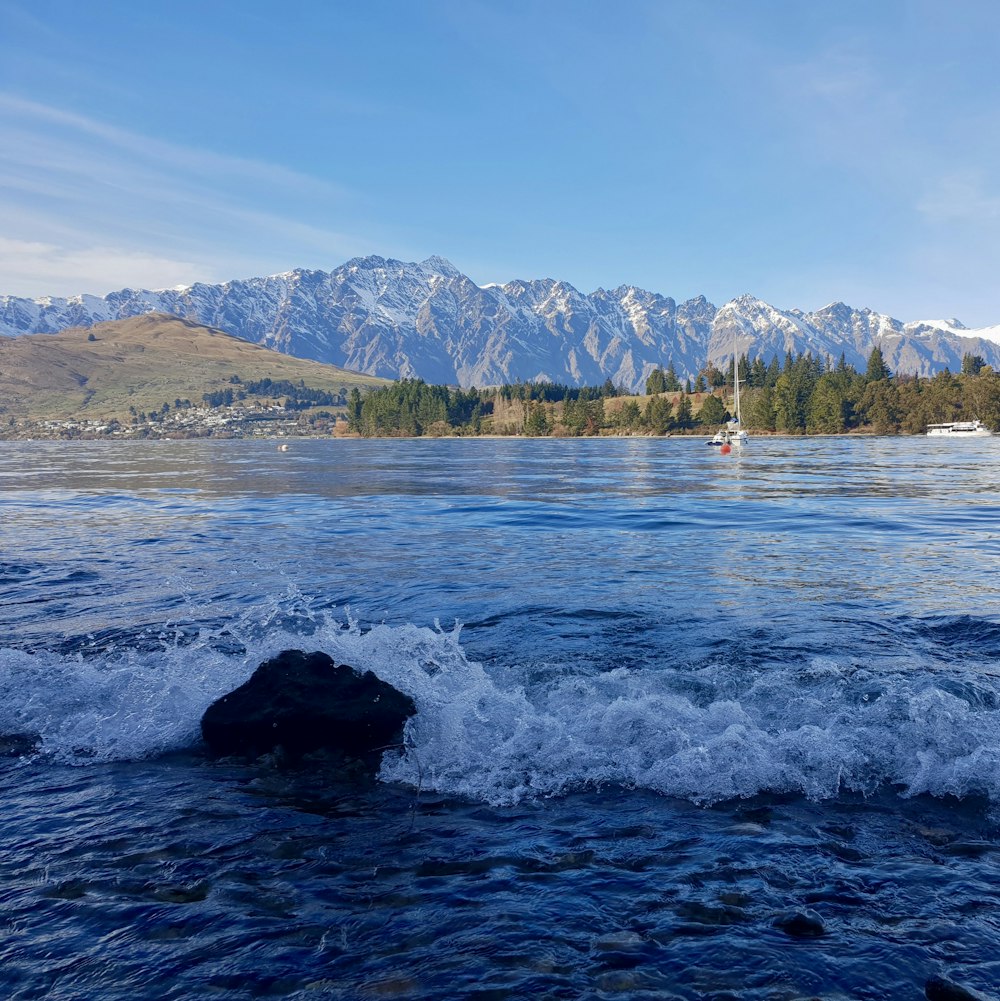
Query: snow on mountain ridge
x: 958, y: 329
x: 390, y: 318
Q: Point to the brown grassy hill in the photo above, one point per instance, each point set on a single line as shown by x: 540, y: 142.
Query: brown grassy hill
x: 143, y: 362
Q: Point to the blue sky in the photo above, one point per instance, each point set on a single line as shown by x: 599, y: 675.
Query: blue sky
x: 805, y: 152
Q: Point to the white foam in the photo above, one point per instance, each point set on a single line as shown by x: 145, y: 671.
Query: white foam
x: 126, y: 705
x: 707, y: 734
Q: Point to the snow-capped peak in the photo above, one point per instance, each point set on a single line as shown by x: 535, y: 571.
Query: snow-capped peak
x: 958, y: 329
x: 440, y: 265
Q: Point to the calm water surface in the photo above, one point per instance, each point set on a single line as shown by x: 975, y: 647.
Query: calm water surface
x: 688, y: 725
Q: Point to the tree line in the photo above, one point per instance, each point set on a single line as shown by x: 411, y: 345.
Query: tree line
x: 802, y: 394
x: 297, y: 395
x: 805, y: 396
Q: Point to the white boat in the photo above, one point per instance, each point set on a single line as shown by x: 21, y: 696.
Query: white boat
x: 733, y: 433
x: 960, y: 429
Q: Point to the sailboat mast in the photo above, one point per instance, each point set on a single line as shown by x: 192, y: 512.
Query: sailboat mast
x: 736, y: 381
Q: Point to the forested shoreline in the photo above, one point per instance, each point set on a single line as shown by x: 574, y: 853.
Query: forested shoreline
x: 802, y: 395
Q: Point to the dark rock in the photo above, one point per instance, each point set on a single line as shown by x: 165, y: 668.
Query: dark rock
x: 302, y: 703
x: 800, y: 924
x: 939, y: 989
x: 16, y: 745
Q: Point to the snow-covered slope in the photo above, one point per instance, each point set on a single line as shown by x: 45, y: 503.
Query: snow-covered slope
x: 389, y: 318
x: 958, y: 329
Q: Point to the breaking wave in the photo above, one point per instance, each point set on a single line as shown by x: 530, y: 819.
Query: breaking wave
x: 502, y: 734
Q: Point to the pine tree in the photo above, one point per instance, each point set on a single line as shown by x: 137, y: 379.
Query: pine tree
x: 656, y: 418
x: 758, y: 409
x: 536, y: 423
x: 629, y: 416
x: 877, y: 369
x: 972, y: 364
x: 789, y: 410
x: 826, y: 408
x: 713, y: 411
x: 684, y: 418
x: 354, y: 410
x: 879, y: 406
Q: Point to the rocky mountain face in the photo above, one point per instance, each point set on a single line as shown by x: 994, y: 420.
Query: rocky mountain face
x: 428, y: 320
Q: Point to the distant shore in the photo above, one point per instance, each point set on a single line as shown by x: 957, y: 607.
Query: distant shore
x: 39, y: 434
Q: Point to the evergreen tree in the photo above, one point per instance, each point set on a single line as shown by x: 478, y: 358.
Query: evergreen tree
x: 656, y: 418
x: 789, y: 409
x: 595, y: 416
x: 629, y: 416
x: 912, y: 405
x: 981, y: 397
x: 826, y: 412
x: 684, y: 418
x: 879, y: 406
x: 354, y: 410
x: 715, y: 377
x: 877, y: 369
x: 942, y: 398
x: 972, y: 364
x: 758, y: 409
x: 671, y: 383
x: 656, y: 383
x: 573, y: 417
x: 792, y: 392
x: 713, y: 411
x: 536, y: 423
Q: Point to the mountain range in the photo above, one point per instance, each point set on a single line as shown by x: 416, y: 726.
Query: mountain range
x: 393, y: 319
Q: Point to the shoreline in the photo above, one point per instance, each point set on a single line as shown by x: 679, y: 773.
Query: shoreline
x: 696, y: 436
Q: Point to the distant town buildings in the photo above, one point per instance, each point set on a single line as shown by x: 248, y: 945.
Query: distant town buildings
x: 190, y: 422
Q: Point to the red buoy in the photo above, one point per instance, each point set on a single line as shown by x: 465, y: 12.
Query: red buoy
x: 725, y: 449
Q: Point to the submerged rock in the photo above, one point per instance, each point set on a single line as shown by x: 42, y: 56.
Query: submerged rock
x: 939, y: 989
x: 17, y: 745
x: 302, y: 703
x: 800, y: 924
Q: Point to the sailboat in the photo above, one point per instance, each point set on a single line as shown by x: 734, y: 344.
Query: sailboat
x: 733, y: 433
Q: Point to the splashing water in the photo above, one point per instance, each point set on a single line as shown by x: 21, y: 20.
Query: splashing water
x: 709, y: 733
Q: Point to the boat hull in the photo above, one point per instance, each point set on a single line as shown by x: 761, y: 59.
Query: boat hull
x: 959, y: 429
x: 738, y: 438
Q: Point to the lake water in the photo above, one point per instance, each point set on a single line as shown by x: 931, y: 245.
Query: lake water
x: 689, y: 725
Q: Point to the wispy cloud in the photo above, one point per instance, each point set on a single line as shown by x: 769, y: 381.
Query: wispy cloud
x: 38, y: 268
x: 169, y: 156
x: 99, y: 206
x: 961, y: 197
